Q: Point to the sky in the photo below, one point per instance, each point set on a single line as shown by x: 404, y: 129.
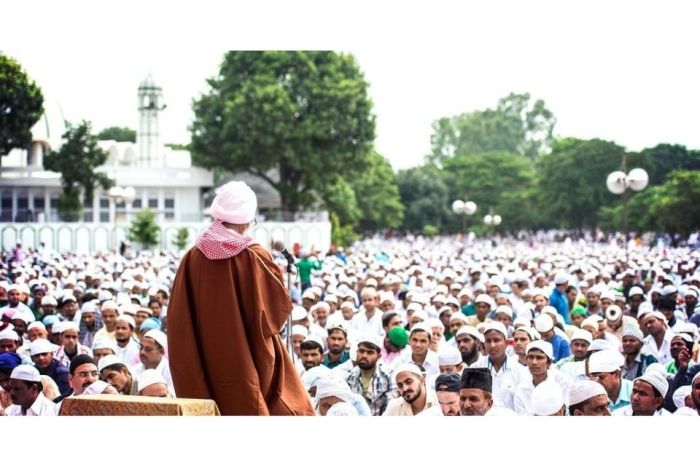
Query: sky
x: 622, y: 71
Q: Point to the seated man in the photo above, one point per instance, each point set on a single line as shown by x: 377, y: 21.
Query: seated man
x: 26, y: 393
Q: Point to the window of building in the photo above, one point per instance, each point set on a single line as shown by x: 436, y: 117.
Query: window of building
x: 6, y: 206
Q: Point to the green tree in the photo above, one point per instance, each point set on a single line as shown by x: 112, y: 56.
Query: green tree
x: 306, y: 114
x: 181, y: 238
x: 76, y: 161
x: 341, y: 235
x: 144, y: 229
x: 117, y: 133
x: 516, y: 125
x: 377, y: 195
x: 678, y: 204
x: 424, y: 195
x: 665, y: 158
x: 500, y: 180
x: 571, y: 186
x: 339, y: 197
x: 21, y: 106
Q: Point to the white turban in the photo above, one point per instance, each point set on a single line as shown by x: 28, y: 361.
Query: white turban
x: 584, y: 390
x: 342, y: 409
x: 605, y: 361
x: 328, y: 387
x: 150, y: 377
x: 680, y: 395
x: 449, y: 356
x: 234, y: 203
x: 656, y: 380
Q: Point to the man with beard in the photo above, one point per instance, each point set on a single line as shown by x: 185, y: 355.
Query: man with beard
x: 127, y: 348
x: 679, y: 342
x: 41, y: 352
x: 658, y: 340
x: 90, y: 323
x: 311, y: 352
x: 337, y: 341
x: 691, y: 306
x: 483, y: 304
x: 604, y: 367
x: 370, y: 378
x: 635, y: 299
x: 469, y: 341
x: 574, y: 365
x: 14, y: 303
x: 115, y: 373
x: 636, y: 361
x: 447, y: 388
x: 648, y: 395
x: 83, y: 372
x: 695, y: 391
x: 415, y: 396
x: 475, y: 398
x: 68, y: 308
x: 152, y: 356
x: 26, y: 392
x: 70, y: 348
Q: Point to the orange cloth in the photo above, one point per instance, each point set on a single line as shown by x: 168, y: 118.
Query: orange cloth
x: 123, y: 405
x: 224, y: 318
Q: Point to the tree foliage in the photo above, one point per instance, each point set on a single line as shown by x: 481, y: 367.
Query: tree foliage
x: 662, y: 159
x: 117, y: 133
x: 144, y: 229
x: 677, y: 206
x: 424, y: 195
x: 21, y: 106
x: 307, y: 114
x: 516, y: 125
x: 377, y: 195
x: 181, y: 238
x: 76, y: 161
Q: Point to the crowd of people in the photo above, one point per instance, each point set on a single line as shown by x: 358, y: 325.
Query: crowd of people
x: 401, y: 326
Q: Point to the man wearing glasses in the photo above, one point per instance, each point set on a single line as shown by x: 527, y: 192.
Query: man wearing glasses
x: 83, y: 372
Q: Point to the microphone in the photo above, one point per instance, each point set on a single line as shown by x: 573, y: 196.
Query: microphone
x: 279, y: 247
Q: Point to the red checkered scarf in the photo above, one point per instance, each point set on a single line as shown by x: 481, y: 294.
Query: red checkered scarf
x: 218, y: 242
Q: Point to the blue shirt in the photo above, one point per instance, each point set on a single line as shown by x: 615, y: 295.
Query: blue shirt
x: 560, y: 347
x: 624, y: 397
x: 558, y: 300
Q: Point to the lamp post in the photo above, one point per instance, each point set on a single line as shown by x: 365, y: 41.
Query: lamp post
x: 619, y: 182
x: 464, y: 209
x: 492, y: 220
x: 117, y: 195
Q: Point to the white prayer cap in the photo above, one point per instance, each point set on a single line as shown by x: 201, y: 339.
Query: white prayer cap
x: 331, y: 298
x: 300, y: 330
x: 580, y: 334
x: 414, y: 307
x: 659, y: 315
x: 613, y: 313
x: 158, y: 335
x: 342, y: 409
x: 607, y: 294
x: 321, y: 305
x: 312, y: 376
x: 434, y: 322
x: 544, y: 346
x: 590, y: 321
x: 600, y: 345
x: 329, y: 386
x: 298, y: 313
x: 645, y: 308
x: 371, y: 338
x: 129, y: 309
x: 309, y: 294
x: 668, y: 290
x: 40, y: 346
x: 128, y: 319
x: 583, y: 390
x: 234, y: 203
x: 561, y: 277
x: 607, y: 360
x: 406, y: 367
x: 449, y: 356
x: 471, y: 331
x: 107, y: 361
x: 521, y: 322
x: 68, y: 325
x: 459, y: 316
x: 104, y: 295
x: 26, y: 372
x: 36, y: 324
x: 685, y: 411
x: 634, y: 291
x: 680, y: 395
x: 49, y: 300
x: 348, y: 305
x: 656, y: 380
x: 439, y: 298
x: 58, y: 327
x: 464, y: 292
x: 504, y: 310
x: 484, y: 298
x: 550, y: 310
x: 547, y: 398
x: 104, y: 343
x: 109, y: 305
x: 315, y: 339
x: 421, y: 314
x: 632, y: 331
x: 88, y: 307
x: 421, y: 327
x: 684, y: 336
x: 149, y: 377
x: 96, y: 388
x: 26, y: 316
x: 9, y: 334
x: 497, y: 326
x: 544, y: 323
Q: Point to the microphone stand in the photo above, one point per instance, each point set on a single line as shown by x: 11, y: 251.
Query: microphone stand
x: 290, y: 269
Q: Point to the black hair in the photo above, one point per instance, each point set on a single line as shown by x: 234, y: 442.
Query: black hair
x: 666, y: 303
x: 370, y: 346
x: 310, y: 345
x: 386, y: 318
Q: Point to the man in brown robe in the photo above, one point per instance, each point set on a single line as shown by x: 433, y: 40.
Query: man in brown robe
x: 227, y: 307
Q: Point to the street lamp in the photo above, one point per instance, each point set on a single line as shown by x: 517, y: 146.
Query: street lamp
x: 464, y: 209
x: 118, y: 195
x: 492, y: 220
x: 620, y: 183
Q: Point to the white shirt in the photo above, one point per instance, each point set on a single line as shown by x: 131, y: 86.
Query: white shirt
x: 506, y: 380
x: 663, y: 354
x: 400, y: 407
x: 522, y: 400
x: 362, y: 325
x: 60, y: 354
x: 41, y: 407
x: 431, y: 363
x: 129, y: 355
x: 627, y: 411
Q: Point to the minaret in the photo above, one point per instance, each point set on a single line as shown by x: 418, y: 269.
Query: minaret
x: 150, y: 103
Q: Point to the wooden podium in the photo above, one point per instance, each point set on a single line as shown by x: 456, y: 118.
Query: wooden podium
x: 128, y: 405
